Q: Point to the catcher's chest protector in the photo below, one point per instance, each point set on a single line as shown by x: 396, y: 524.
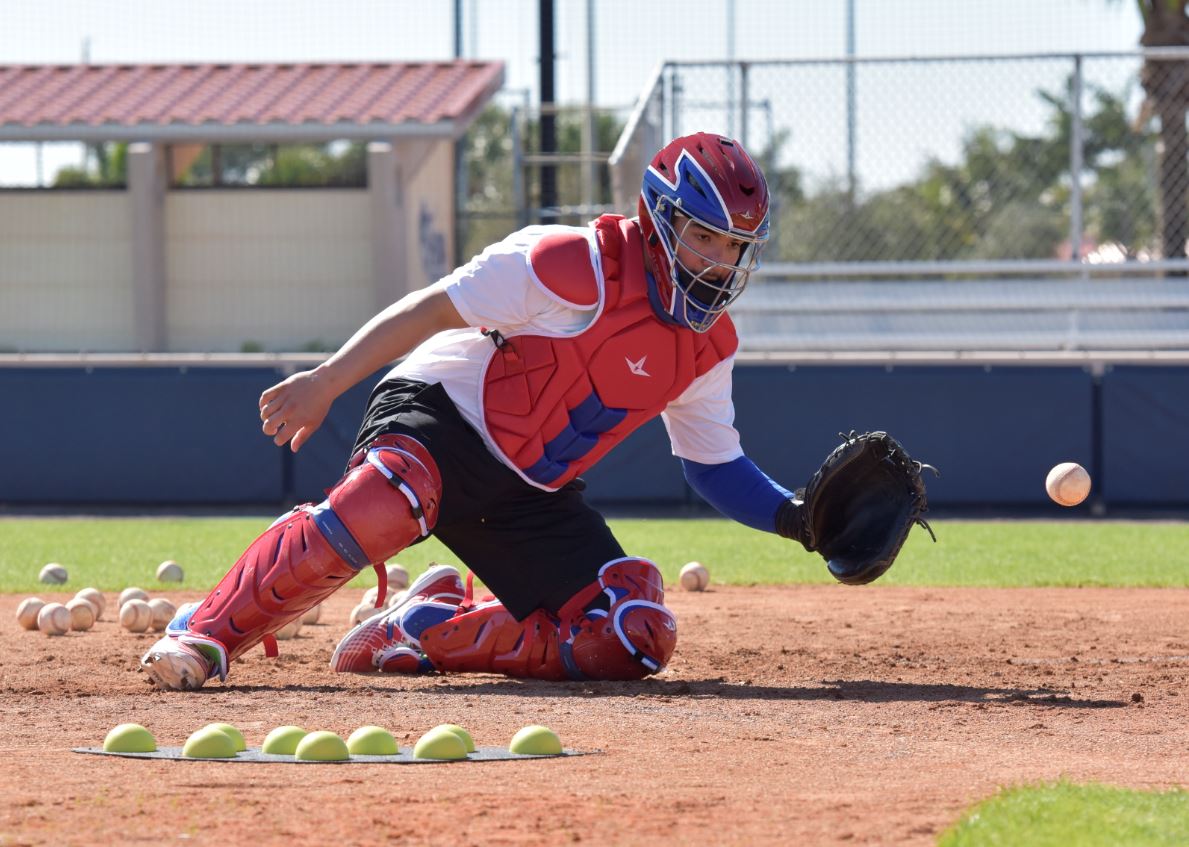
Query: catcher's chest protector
x: 555, y: 406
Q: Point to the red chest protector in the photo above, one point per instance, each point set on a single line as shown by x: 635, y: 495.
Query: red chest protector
x: 555, y: 406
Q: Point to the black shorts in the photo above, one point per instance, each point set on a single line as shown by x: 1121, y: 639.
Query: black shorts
x: 531, y: 548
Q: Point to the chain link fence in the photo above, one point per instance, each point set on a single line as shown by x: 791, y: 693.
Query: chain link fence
x: 1045, y: 172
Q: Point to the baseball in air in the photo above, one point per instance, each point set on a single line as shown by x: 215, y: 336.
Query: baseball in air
x: 695, y: 577
x: 1068, y: 484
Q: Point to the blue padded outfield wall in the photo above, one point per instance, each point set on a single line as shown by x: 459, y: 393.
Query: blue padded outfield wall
x: 174, y: 436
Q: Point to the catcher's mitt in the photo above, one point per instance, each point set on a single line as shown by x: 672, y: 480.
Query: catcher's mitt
x: 860, y: 505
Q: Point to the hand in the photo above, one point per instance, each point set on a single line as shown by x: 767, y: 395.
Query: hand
x: 293, y: 410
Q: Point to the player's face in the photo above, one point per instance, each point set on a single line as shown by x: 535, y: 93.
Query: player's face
x: 703, y: 251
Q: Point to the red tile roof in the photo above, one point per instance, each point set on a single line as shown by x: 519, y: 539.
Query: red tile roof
x: 186, y: 101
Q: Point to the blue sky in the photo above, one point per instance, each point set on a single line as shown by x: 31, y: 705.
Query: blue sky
x: 632, y: 36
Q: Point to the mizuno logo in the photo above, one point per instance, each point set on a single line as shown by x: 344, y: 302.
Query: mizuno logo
x: 637, y: 367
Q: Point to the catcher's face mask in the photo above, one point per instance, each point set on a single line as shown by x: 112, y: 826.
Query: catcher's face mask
x: 704, y: 217
x: 710, y: 269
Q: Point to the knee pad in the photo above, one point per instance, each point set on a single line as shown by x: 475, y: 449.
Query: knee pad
x: 409, y: 469
x: 632, y: 637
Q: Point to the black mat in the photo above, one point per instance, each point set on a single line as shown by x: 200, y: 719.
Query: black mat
x: 404, y: 757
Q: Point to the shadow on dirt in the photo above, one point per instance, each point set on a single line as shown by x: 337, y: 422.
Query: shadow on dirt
x: 868, y: 691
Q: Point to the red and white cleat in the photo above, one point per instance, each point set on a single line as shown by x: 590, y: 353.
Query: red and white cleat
x: 387, y: 641
x: 174, y: 666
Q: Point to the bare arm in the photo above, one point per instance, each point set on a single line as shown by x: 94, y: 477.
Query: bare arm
x: 293, y: 410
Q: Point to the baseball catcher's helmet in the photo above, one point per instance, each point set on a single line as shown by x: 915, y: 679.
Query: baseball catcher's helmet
x: 711, y: 182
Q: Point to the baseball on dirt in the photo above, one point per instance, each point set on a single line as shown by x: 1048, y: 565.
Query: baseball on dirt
x: 398, y: 577
x: 27, y: 612
x: 361, y: 613
x: 53, y: 574
x: 54, y: 619
x: 695, y: 577
x: 1068, y: 484
x: 163, y: 612
x: 289, y: 630
x: 96, y: 598
x: 136, y: 615
x: 132, y: 594
x: 82, y: 614
x: 170, y: 571
x: 311, y: 616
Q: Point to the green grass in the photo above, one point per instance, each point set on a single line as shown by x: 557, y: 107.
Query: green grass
x: 111, y: 553
x: 1062, y: 814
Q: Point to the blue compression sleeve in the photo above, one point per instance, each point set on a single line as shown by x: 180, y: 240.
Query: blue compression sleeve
x: 739, y: 490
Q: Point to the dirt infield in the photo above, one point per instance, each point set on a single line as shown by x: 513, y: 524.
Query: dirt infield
x: 790, y: 715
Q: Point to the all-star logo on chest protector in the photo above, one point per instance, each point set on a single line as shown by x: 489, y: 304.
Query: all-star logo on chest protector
x: 637, y: 367
x: 555, y: 406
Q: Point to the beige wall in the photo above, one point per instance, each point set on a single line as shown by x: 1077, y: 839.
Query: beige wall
x: 278, y: 270
x: 282, y: 269
x: 430, y: 222
x: 65, y: 271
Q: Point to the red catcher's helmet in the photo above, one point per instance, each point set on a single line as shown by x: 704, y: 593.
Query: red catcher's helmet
x: 711, y: 181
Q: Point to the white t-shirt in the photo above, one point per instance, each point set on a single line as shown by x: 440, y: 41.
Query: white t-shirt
x: 497, y: 290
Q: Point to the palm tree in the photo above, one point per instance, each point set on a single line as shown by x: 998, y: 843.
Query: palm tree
x: 1166, y: 84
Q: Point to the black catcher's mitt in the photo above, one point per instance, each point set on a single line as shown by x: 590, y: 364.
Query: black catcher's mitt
x: 860, y: 505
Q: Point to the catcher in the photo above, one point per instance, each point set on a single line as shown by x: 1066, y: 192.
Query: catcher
x: 522, y: 369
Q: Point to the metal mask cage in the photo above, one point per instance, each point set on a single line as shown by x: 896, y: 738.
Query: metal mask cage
x: 703, y: 297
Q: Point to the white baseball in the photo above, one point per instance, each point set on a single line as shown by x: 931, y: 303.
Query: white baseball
x: 54, y: 619
x: 398, y: 577
x: 136, y: 615
x: 369, y: 597
x: 695, y: 577
x: 27, y: 611
x: 96, y: 598
x: 311, y: 616
x: 170, y: 571
x: 395, y: 597
x: 1068, y: 484
x: 163, y: 612
x: 82, y: 614
x: 53, y: 574
x: 132, y: 594
x: 289, y: 630
x: 362, y: 612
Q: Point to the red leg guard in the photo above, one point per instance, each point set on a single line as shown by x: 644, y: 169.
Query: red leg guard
x: 635, y: 637
x: 387, y: 499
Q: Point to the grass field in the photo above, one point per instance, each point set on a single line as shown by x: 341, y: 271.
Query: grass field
x: 1062, y: 814
x: 111, y: 553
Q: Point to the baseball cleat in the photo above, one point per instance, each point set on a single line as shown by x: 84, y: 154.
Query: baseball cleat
x: 387, y: 641
x: 174, y: 666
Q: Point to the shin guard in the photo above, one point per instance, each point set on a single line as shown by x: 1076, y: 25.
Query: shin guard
x: 387, y: 499
x: 632, y: 637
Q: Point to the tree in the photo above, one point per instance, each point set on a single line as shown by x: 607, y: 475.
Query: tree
x: 1007, y: 196
x: 1166, y: 24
